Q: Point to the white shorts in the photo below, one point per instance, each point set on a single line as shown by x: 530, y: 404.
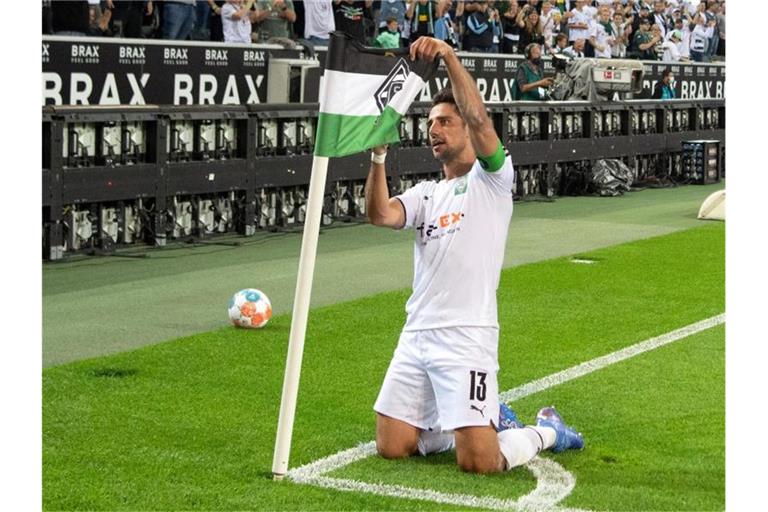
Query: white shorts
x: 443, y: 379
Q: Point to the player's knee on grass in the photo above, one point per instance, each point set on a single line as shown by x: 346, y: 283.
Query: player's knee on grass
x: 394, y: 450
x: 477, y: 450
x: 395, y: 439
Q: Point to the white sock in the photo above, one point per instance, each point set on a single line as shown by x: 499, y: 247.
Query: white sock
x: 519, y: 445
x: 548, y: 436
x: 435, y: 442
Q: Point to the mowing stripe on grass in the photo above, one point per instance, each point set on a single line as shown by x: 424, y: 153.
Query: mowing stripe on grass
x: 554, y: 483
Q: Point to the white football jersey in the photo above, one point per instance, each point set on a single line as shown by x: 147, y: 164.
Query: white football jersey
x: 461, y: 229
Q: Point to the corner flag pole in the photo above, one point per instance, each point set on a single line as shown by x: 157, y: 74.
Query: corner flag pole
x: 299, y: 318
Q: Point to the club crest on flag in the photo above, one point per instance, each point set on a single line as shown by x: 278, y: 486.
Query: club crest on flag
x: 392, y: 84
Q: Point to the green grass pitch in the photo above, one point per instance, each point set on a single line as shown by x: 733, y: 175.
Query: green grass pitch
x: 190, y: 424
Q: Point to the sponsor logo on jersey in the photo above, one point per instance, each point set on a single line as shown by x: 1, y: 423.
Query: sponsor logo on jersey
x: 437, y: 228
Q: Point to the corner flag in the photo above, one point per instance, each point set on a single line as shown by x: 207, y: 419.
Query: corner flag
x: 365, y: 92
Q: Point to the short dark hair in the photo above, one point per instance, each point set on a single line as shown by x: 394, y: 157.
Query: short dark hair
x: 446, y: 96
x: 666, y: 73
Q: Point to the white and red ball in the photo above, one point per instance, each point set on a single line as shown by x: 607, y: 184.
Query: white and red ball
x: 250, y: 308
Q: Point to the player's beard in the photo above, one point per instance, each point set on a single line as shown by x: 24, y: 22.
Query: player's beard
x: 448, y: 154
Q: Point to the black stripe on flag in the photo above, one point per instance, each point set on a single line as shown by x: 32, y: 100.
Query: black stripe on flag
x: 348, y: 55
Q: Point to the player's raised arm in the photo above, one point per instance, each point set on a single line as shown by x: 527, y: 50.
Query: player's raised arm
x: 468, y: 100
x: 381, y: 209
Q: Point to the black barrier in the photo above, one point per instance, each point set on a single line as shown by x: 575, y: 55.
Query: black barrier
x: 116, y: 176
x: 103, y: 71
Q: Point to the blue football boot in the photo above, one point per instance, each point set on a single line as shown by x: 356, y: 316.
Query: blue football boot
x: 507, y: 418
x: 567, y: 438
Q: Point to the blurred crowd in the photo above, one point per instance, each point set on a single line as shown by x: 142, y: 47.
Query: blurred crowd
x: 664, y: 30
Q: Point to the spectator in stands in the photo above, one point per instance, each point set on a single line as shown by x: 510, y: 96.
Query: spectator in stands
x: 688, y: 7
x: 202, y: 28
x: 274, y: 18
x: 318, y: 21
x: 578, y: 25
x: 632, y: 8
x: 601, y: 35
x: 701, y: 7
x: 619, y: 6
x: 100, y: 21
x: 677, y: 15
x: 713, y: 9
x: 236, y: 17
x: 644, y: 13
x: 665, y: 89
x: 681, y: 27
x: 529, y: 79
x: 700, y: 37
x: 350, y: 17
x: 444, y: 24
x: 534, y: 4
x: 421, y: 16
x: 561, y: 44
x: 178, y: 19
x: 560, y: 23
x: 660, y: 16
x: 590, y: 10
x: 623, y: 31
x: 644, y: 41
x: 392, y: 8
x: 530, y: 24
x: 576, y: 50
x: 656, y: 36
x: 721, y: 30
x: 215, y: 24
x: 478, y: 35
x: 390, y: 36
x: 510, y: 29
x: 671, y: 48
x: 548, y: 24
x: 495, y: 21
x: 128, y: 17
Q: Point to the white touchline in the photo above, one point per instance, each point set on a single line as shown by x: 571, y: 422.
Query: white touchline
x: 553, y: 482
x: 614, y: 357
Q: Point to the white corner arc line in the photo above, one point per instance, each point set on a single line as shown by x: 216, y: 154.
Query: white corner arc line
x: 554, y: 483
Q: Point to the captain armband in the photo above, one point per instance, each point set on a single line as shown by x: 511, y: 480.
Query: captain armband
x: 495, y: 161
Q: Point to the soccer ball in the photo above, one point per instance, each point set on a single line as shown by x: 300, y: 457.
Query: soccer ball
x: 250, y: 308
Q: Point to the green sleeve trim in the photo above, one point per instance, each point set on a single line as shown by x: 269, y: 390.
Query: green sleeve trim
x: 495, y: 161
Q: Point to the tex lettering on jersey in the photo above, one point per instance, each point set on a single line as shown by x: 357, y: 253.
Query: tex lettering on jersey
x: 443, y: 225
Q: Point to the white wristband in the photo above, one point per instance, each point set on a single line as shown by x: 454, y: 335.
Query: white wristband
x: 378, y: 159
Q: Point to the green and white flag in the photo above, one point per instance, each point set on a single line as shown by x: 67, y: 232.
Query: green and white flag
x: 365, y: 92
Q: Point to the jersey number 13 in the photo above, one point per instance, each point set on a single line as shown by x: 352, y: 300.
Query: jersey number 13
x: 477, y: 385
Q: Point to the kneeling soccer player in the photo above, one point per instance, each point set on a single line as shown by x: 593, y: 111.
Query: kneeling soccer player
x: 440, y: 391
